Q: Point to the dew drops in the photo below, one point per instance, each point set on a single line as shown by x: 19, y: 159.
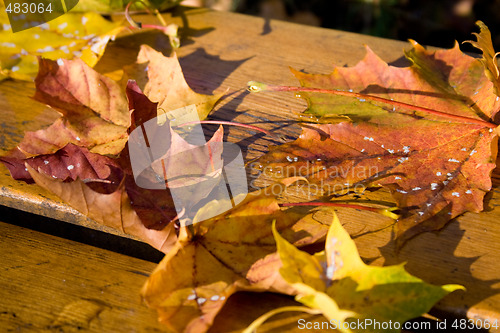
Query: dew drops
x: 401, y: 191
x: 453, y: 160
x: 434, y: 186
x: 456, y: 194
x: 391, y: 151
x: 367, y: 138
x: 438, y: 173
x: 420, y: 213
x: 289, y: 159
x: 416, y: 188
x: 402, y: 159
x: 406, y: 149
x: 15, y: 68
x: 84, y: 20
x: 397, y: 178
x: 62, y: 26
x: 468, y: 192
x: 363, y: 150
x: 201, y: 300
x: 463, y: 149
x: 45, y: 162
x: 445, y: 182
x: 473, y: 152
x: 78, y: 138
x: 9, y: 44
x: 428, y: 204
x: 70, y: 167
x: 214, y: 298
x: 191, y: 297
x: 295, y: 159
x: 60, y: 62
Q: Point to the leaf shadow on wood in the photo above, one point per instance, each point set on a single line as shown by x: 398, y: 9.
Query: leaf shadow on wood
x: 431, y: 257
x: 186, y: 32
x: 205, y: 72
x: 124, y: 50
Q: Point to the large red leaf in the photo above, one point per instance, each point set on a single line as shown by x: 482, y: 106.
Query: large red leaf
x: 437, y: 164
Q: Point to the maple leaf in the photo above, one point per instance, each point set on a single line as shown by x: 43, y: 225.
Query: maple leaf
x: 71, y: 35
x: 162, y: 81
x: 110, y: 209
x: 347, y: 291
x: 213, y: 259
x: 426, y: 132
x: 94, y: 110
x: 95, y: 184
x: 483, y: 43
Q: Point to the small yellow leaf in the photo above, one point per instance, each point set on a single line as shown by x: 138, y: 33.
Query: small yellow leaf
x: 345, y: 289
x: 71, y: 35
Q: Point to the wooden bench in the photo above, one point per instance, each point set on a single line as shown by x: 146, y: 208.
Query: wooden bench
x: 50, y: 283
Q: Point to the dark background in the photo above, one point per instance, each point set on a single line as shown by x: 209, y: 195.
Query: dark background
x: 436, y: 23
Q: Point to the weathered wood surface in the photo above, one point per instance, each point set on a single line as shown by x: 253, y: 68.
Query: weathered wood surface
x: 222, y: 50
x: 50, y: 284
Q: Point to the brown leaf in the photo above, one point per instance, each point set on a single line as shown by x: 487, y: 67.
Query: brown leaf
x: 489, y: 60
x: 162, y: 81
x: 110, y: 209
x: 93, y: 108
x: 215, y: 258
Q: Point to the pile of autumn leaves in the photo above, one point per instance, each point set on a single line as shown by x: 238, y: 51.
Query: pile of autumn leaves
x: 83, y: 158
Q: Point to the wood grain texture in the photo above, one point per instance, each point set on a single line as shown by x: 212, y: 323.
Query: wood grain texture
x: 223, y: 50
x: 50, y: 284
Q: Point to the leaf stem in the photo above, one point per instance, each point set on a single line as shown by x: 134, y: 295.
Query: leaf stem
x: 259, y: 321
x: 257, y: 87
x: 230, y: 123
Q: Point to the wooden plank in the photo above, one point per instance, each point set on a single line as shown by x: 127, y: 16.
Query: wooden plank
x: 224, y: 50
x: 53, y: 284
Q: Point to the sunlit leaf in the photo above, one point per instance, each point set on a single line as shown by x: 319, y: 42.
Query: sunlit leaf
x: 230, y: 252
x: 71, y: 35
x: 427, y: 132
x: 346, y: 290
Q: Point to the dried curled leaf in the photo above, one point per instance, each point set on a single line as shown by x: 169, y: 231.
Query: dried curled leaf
x: 345, y: 290
x: 162, y: 81
x: 215, y: 258
x: 436, y: 164
x: 489, y: 60
x: 84, y: 36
